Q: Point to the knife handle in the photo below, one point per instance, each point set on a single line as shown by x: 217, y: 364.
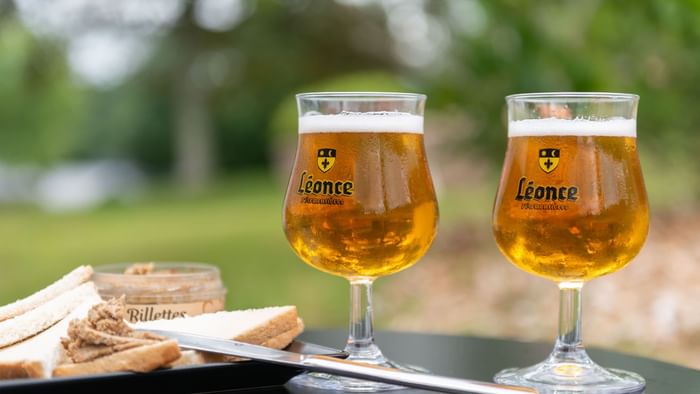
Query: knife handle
x: 409, y: 379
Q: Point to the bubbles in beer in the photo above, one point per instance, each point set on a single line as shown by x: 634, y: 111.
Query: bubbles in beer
x: 362, y: 122
x: 617, y: 127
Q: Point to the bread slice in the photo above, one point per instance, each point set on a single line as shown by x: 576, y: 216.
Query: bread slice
x: 194, y: 357
x: 280, y: 341
x: 274, y: 327
x: 283, y: 340
x: 68, y: 282
x: 140, y: 359
x: 252, y: 325
x: 36, y: 357
x: 43, y: 316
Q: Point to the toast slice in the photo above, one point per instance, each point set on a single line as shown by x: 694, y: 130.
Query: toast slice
x: 36, y: 357
x: 43, y: 316
x: 69, y: 281
x: 140, y: 359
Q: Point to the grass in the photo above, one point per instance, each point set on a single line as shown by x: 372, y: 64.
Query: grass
x: 236, y: 226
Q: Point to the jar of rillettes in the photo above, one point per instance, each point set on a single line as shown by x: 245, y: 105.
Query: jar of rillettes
x: 164, y: 290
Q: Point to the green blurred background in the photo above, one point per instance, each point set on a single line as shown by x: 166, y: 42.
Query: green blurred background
x: 164, y: 130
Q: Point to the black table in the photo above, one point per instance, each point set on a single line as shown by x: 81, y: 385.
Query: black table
x: 481, y: 358
x: 464, y: 357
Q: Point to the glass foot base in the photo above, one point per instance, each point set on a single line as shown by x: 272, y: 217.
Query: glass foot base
x: 324, y: 381
x: 586, y: 377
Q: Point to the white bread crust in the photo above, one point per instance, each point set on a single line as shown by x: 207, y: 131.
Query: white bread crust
x: 44, y: 316
x: 37, y: 356
x: 67, y: 282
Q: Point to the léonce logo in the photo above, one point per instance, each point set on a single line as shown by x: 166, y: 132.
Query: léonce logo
x: 325, y: 159
x: 328, y: 189
x: 548, y: 159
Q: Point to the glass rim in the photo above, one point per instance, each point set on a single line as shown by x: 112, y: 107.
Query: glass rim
x: 573, y: 96
x: 358, y: 96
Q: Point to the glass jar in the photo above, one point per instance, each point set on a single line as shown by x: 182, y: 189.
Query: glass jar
x: 164, y: 290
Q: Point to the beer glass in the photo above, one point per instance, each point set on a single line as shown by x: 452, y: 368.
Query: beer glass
x: 360, y: 203
x: 571, y: 206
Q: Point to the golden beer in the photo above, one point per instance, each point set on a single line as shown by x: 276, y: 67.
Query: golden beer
x: 360, y: 204
x: 571, y: 207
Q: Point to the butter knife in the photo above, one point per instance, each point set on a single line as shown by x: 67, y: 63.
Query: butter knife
x: 317, y: 363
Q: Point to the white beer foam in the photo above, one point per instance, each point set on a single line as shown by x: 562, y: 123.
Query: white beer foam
x: 362, y: 122
x: 617, y: 127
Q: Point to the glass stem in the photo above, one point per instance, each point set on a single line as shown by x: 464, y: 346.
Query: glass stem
x: 360, y: 344
x: 569, y: 340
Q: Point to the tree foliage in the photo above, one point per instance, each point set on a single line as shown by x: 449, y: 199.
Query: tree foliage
x: 248, y: 73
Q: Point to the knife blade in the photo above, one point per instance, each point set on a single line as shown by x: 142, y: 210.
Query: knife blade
x: 318, y: 363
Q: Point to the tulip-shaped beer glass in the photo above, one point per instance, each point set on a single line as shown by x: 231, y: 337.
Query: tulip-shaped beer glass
x: 360, y: 203
x: 571, y: 206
